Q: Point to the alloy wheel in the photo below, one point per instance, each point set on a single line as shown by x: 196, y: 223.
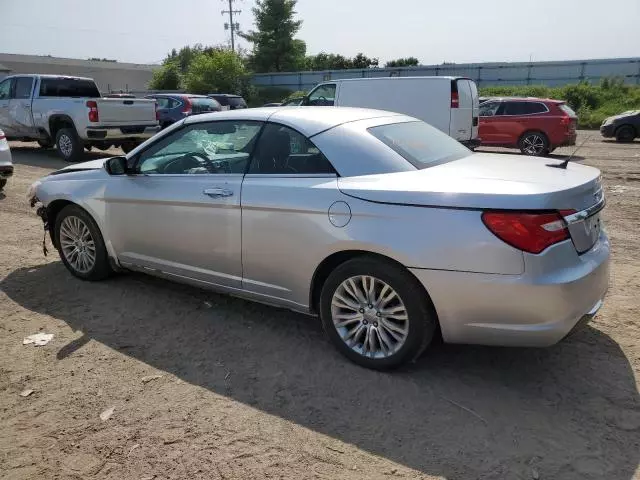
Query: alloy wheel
x: 65, y: 145
x: 77, y: 244
x: 533, y: 144
x: 369, y: 316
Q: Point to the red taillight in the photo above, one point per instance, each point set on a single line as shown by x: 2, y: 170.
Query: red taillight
x: 530, y: 232
x: 186, y: 106
x: 455, y: 100
x: 93, y: 111
x: 157, y: 113
x: 2, y: 136
x: 565, y: 120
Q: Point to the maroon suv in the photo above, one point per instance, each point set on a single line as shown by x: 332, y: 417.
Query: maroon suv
x: 536, y: 126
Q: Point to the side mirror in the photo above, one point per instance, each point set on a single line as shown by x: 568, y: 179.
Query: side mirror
x: 116, y: 166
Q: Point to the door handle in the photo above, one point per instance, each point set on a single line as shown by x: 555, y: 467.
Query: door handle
x: 218, y: 192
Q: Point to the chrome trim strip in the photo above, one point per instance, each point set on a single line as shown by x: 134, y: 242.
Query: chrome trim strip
x: 586, y: 213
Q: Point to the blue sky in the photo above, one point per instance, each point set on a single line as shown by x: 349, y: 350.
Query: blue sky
x: 432, y: 30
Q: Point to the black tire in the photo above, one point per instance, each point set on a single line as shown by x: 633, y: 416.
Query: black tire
x: 3, y: 182
x: 45, y: 143
x: 422, y: 320
x: 534, y: 144
x: 625, y: 134
x: 101, y: 268
x: 68, y: 144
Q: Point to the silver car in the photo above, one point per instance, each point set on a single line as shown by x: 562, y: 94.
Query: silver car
x: 389, y: 230
x: 6, y: 166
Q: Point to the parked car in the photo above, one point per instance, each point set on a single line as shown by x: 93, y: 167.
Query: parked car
x: 625, y: 127
x: 70, y: 113
x: 229, y: 101
x: 176, y: 106
x: 536, y: 126
x: 448, y: 103
x: 6, y: 166
x: 386, y: 227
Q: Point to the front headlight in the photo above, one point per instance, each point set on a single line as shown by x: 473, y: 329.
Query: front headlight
x: 32, y: 192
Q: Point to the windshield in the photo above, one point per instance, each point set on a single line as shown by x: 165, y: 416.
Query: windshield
x: 420, y: 144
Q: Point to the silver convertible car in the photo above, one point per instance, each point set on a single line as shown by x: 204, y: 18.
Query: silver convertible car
x: 386, y: 228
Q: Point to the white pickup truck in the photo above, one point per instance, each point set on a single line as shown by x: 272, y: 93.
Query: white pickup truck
x: 70, y: 113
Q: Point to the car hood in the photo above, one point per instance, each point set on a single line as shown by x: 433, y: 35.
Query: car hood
x: 482, y: 181
x: 90, y: 165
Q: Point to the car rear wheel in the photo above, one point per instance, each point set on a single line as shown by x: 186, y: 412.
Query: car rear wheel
x: 69, y: 146
x: 625, y: 134
x: 3, y: 182
x: 376, y: 313
x: 81, y: 245
x: 534, y: 143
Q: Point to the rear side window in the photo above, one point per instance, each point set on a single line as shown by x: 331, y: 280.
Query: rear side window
x: 23, y: 87
x: 68, y: 87
x: 237, y: 102
x: 222, y: 100
x: 282, y: 150
x: 163, y: 102
x: 202, y: 104
x: 420, y: 144
x: 524, y: 108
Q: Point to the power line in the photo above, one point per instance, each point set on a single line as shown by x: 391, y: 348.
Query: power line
x: 231, y: 25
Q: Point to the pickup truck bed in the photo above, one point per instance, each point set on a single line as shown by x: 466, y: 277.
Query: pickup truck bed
x: 70, y: 113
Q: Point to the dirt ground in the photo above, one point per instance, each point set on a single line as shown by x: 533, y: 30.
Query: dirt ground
x: 245, y: 391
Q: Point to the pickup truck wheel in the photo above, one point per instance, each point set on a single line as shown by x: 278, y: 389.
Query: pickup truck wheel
x: 45, y: 143
x: 69, y: 146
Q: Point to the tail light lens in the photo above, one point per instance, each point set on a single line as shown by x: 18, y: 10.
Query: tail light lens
x: 455, y: 100
x: 157, y: 113
x: 186, y: 106
x: 93, y: 111
x: 529, y: 232
x: 2, y: 136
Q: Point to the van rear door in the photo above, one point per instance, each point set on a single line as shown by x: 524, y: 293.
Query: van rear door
x: 462, y: 110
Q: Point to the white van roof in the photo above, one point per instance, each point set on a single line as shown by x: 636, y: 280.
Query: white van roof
x: 394, y: 78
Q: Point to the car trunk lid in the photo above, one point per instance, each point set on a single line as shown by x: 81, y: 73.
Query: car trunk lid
x: 487, y: 181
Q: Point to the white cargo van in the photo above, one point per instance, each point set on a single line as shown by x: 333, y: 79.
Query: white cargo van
x: 448, y: 103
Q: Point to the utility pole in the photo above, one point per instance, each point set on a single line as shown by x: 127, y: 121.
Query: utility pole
x: 234, y: 27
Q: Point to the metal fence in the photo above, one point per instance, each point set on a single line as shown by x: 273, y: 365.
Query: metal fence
x: 484, y: 74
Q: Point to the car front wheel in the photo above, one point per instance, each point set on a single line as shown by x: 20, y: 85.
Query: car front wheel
x: 80, y: 243
x: 376, y: 313
x: 625, y: 134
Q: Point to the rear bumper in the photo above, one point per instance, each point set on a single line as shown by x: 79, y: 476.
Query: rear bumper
x: 607, y: 131
x: 128, y: 132
x: 536, y: 309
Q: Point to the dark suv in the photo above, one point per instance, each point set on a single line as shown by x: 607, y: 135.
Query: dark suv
x: 175, y: 106
x: 229, y: 101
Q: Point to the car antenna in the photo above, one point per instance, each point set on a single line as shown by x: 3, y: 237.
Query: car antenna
x: 564, y: 164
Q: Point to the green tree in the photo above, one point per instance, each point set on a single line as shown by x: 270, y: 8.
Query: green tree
x: 166, y: 77
x: 403, y: 62
x: 218, y: 70
x: 362, y: 61
x: 274, y: 47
